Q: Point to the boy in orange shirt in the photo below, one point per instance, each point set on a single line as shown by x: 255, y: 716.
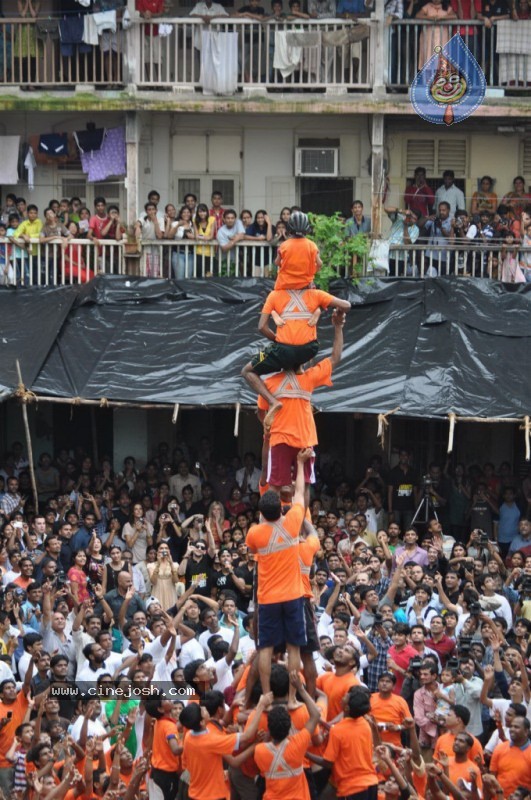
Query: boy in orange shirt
x: 281, y: 760
x: 293, y: 427
x: 298, y: 258
x: 389, y: 710
x: 295, y: 313
x: 280, y: 613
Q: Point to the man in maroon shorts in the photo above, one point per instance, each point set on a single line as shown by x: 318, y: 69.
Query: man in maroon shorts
x: 293, y: 427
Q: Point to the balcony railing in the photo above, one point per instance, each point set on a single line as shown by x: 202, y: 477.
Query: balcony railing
x: 411, y: 43
x: 31, y: 55
x: 230, y: 54
x: 77, y: 261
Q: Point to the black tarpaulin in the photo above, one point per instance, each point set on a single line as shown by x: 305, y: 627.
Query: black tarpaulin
x: 429, y: 346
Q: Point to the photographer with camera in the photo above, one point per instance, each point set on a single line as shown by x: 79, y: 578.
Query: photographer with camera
x: 468, y: 688
x: 481, y: 510
x: 440, y: 231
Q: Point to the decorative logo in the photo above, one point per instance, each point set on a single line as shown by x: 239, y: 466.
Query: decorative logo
x: 450, y: 86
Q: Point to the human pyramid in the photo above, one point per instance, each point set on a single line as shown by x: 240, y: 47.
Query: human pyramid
x: 285, y: 546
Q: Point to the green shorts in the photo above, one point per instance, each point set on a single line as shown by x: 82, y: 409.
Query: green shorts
x: 279, y: 357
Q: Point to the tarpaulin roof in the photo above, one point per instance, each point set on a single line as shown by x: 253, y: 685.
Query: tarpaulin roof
x: 428, y: 346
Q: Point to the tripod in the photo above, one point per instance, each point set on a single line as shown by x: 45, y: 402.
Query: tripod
x: 425, y: 510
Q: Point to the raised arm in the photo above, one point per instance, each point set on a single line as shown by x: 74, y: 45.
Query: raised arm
x: 338, y: 321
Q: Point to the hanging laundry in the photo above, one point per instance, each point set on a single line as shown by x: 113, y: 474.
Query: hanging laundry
x: 30, y: 164
x: 71, y: 29
x: 9, y: 146
x: 105, y: 21
x: 219, y: 62
x: 91, y: 140
x: 54, y: 144
x: 45, y: 28
x: 90, y: 31
x: 109, y: 160
x: 286, y: 58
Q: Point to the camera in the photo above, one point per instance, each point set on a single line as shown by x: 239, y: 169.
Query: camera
x: 453, y: 663
x: 474, y: 609
x: 483, y: 538
x: 525, y: 588
x: 415, y: 663
x: 60, y: 582
x: 463, y: 644
x: 427, y: 481
x: 378, y: 618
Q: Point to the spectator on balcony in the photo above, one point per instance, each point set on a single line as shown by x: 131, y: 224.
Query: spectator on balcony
x: 251, y: 47
x: 25, y: 45
x: 522, y: 11
x: 148, y: 229
x: 217, y: 209
x: 525, y: 257
x: 204, y: 231
x: 518, y: 199
x: 231, y: 232
x: 154, y: 197
x: 485, y: 227
x: 404, y: 231
x: 207, y: 11
x: 484, y: 199
x: 246, y: 218
x: 322, y: 9
x: 116, y: 229
x: 449, y: 193
x: 419, y: 197
x: 437, y: 11
x: 190, y: 201
x: 28, y: 229
x: 99, y: 220
x: 358, y: 222
x: 10, y: 206
x: 504, y: 223
x: 76, y: 270
x: 469, y: 10
x: 182, y: 257
x: 53, y: 229
x: 22, y: 209
x: 440, y: 232
x: 261, y: 228
x: 149, y: 9
x: 352, y: 9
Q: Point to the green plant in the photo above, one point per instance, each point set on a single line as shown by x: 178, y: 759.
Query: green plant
x: 342, y: 255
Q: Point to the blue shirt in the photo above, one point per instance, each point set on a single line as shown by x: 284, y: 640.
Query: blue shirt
x: 351, y: 7
x: 508, y: 524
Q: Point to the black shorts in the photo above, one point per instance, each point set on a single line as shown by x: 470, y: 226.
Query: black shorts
x: 312, y: 639
x: 281, y: 622
x: 278, y: 357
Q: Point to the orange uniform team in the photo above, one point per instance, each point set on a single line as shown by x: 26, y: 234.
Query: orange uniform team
x: 337, y: 662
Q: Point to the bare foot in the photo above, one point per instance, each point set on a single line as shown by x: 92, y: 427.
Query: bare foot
x: 271, y: 414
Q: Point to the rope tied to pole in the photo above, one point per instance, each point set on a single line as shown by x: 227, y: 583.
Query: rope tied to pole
x: 383, y: 424
x: 25, y: 395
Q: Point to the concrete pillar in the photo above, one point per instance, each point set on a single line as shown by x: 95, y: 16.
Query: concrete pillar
x: 132, y: 144
x: 377, y: 172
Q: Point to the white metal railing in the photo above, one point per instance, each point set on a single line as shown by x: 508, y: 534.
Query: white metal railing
x: 79, y: 260
x: 410, y: 44
x: 38, y: 263
x: 316, y: 53
x: 31, y: 56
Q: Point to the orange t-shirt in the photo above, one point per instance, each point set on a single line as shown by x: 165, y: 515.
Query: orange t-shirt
x: 203, y: 758
x: 163, y: 758
x: 289, y: 787
x: 461, y: 771
x: 7, y: 734
x: 23, y: 582
x: 393, y: 709
x: 335, y: 688
x: 445, y: 744
x: 279, y: 575
x: 307, y: 549
x: 294, y: 424
x: 296, y: 331
x: 512, y: 766
x: 298, y: 263
x: 350, y: 750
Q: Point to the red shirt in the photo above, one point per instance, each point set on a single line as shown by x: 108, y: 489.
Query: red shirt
x: 444, y: 648
x: 401, y: 659
x: 419, y: 199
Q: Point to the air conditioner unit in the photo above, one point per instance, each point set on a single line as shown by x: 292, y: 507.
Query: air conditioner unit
x: 316, y: 162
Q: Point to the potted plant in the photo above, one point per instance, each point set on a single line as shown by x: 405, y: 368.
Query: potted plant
x: 342, y: 255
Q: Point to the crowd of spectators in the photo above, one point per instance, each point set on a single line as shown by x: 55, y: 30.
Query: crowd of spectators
x: 127, y: 620
x: 441, y: 219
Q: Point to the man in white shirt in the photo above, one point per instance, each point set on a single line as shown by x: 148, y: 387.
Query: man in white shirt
x: 183, y: 478
x: 449, y: 193
x: 248, y: 478
x: 206, y: 10
x: 92, y: 711
x: 231, y: 232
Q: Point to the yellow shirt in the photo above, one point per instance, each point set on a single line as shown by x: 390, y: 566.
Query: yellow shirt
x: 31, y: 229
x: 204, y: 250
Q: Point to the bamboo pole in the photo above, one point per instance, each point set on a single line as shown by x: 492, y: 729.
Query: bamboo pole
x: 23, y: 397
